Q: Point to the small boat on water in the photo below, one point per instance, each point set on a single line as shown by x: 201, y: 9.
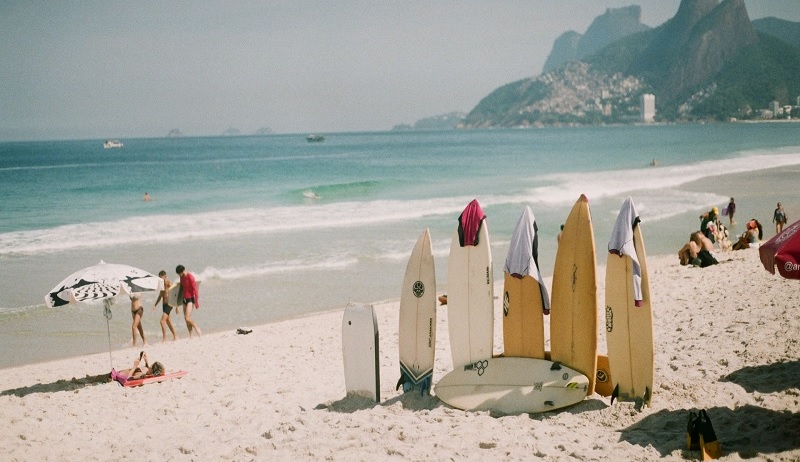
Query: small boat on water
x: 112, y: 144
x: 315, y: 138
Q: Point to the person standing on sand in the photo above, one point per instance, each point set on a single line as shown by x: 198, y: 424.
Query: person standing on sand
x: 137, y: 311
x: 731, y: 209
x: 191, y: 298
x: 163, y: 297
x: 780, y: 218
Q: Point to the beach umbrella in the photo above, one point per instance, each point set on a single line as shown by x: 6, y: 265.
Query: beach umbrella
x: 101, y: 282
x: 783, y: 250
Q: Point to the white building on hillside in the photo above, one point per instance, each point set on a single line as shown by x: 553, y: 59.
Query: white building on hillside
x: 648, y: 107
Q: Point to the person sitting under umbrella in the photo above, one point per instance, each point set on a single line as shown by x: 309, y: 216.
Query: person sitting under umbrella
x: 138, y: 371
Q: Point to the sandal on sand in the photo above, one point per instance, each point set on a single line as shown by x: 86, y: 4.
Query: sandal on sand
x: 693, y: 432
x: 709, y: 445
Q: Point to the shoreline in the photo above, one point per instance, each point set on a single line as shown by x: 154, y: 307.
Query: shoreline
x: 754, y: 193
x: 726, y: 341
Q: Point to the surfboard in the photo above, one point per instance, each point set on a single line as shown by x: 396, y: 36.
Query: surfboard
x: 629, y: 328
x: 573, y: 319
x: 417, y: 328
x: 512, y: 386
x: 470, y: 299
x: 175, y: 296
x: 524, y: 295
x: 360, y: 351
x: 154, y: 379
x: 603, y: 384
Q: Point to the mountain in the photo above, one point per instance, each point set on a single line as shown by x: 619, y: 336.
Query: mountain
x: 447, y: 121
x: 607, y: 28
x: 782, y: 29
x: 706, y: 63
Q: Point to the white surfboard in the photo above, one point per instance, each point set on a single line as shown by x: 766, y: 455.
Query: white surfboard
x: 175, y: 295
x: 470, y: 300
x: 360, y: 351
x: 417, y: 328
x: 512, y: 386
x: 629, y: 328
x: 573, y: 316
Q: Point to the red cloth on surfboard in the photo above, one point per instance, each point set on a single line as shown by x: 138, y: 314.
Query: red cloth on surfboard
x: 469, y: 224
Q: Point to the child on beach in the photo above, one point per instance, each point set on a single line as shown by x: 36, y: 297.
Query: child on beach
x: 137, y: 311
x: 166, y: 308
x: 191, y: 297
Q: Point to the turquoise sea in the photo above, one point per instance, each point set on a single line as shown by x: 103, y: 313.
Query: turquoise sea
x: 235, y: 211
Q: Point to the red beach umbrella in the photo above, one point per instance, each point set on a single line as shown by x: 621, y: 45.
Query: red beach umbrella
x: 783, y: 250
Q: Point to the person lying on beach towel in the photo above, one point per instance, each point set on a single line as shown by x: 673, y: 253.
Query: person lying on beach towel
x: 138, y: 371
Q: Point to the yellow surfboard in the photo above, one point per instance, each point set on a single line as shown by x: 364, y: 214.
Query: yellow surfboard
x: 629, y: 328
x: 523, y: 320
x: 524, y: 297
x: 573, y: 319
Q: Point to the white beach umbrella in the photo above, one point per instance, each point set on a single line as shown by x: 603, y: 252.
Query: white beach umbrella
x: 103, y: 281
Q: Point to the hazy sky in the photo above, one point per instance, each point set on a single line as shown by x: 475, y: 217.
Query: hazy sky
x: 116, y: 69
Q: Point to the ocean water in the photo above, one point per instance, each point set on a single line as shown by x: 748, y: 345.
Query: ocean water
x: 235, y: 211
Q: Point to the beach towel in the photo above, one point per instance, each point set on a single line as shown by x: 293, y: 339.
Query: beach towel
x: 523, y: 253
x: 621, y: 243
x: 469, y: 224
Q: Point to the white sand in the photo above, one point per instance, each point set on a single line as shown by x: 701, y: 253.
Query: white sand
x: 726, y: 340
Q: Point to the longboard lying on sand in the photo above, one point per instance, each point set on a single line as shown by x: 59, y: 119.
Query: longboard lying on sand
x: 524, y: 295
x: 360, y: 351
x: 573, y: 319
x: 470, y: 295
x: 154, y: 379
x: 512, y: 386
x: 629, y: 328
x: 417, y: 328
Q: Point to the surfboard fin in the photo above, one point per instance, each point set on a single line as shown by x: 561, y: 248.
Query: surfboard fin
x: 647, y: 396
x: 400, y: 382
x: 615, y: 394
x: 425, y: 386
x: 556, y: 366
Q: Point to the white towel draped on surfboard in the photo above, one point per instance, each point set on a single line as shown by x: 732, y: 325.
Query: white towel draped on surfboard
x: 621, y: 243
x: 523, y: 253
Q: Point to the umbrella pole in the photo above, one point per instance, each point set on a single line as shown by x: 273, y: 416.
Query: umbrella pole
x: 107, y: 302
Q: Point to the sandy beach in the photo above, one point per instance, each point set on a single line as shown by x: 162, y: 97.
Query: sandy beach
x: 726, y: 341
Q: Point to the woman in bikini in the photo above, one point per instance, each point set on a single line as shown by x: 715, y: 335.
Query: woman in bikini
x: 137, y: 311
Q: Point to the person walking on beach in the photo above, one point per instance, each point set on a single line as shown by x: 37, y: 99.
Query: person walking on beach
x: 780, y: 218
x: 166, y: 308
x: 137, y: 311
x: 191, y: 298
x: 731, y: 209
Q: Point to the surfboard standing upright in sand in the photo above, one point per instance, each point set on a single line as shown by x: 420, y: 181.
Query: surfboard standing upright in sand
x: 573, y: 319
x: 417, y: 328
x: 360, y: 351
x: 629, y: 314
x: 470, y: 287
x: 512, y: 386
x: 525, y: 299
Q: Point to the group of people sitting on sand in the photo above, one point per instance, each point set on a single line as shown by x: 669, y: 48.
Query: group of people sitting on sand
x: 699, y: 251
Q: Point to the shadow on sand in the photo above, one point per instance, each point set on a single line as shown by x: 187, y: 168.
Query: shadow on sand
x: 59, y: 385
x: 747, y: 431
x: 769, y: 378
x: 352, y: 403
